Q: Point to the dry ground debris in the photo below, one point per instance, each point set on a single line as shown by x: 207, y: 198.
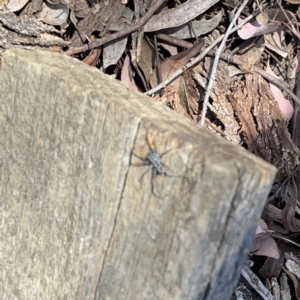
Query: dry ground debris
x: 231, y: 66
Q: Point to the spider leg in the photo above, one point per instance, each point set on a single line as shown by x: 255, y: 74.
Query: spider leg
x: 154, y: 189
x: 167, y: 151
x: 164, y: 153
x: 140, y: 164
x: 148, y: 169
x: 170, y: 174
x: 150, y: 142
x: 153, y: 185
x: 139, y: 155
x: 181, y: 176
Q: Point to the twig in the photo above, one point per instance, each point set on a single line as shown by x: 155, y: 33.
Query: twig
x: 197, y: 59
x: 175, y: 41
x: 158, y: 69
x: 216, y: 61
x: 256, y: 283
x: 99, y: 42
x: 278, y: 236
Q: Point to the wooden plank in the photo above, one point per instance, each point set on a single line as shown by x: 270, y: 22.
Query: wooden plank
x: 78, y: 219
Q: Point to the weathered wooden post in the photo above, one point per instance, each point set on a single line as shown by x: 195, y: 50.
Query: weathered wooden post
x: 77, y: 219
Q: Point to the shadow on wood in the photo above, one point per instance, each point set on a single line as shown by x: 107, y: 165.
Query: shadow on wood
x: 77, y: 221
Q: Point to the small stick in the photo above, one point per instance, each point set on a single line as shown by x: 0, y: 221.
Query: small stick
x: 175, y: 41
x: 255, y: 282
x: 216, y: 61
x: 99, y: 42
x: 158, y: 69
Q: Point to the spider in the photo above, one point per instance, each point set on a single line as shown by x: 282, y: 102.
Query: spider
x: 153, y: 161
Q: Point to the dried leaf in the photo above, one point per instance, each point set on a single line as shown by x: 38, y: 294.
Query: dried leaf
x: 275, y: 41
x: 274, y: 33
x: 126, y: 75
x: 16, y: 5
x: 101, y: 18
x: 295, y: 282
x: 277, y: 214
x: 112, y: 51
x: 199, y: 27
x: 262, y: 227
x: 271, y: 267
x: 252, y: 55
x: 92, y: 58
x: 173, y: 63
x: 174, y: 94
x: 146, y: 58
x: 254, y: 28
x: 274, y: 14
x: 179, y: 15
x: 265, y: 245
x: 171, y: 49
x: 274, y: 213
x: 286, y: 107
x: 53, y: 14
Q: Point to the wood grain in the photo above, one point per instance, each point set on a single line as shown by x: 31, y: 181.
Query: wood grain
x: 76, y: 222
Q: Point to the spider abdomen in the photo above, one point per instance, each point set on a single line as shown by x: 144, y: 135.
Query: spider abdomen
x: 155, y: 162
